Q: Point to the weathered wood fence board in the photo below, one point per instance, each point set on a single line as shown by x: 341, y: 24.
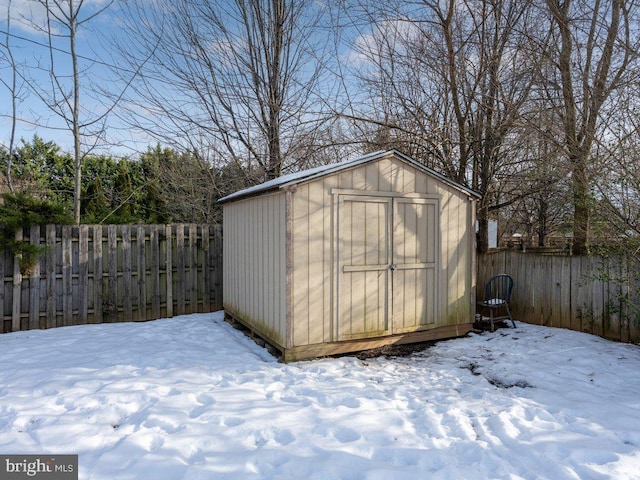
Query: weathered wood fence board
x: 113, y: 273
x: 596, y: 295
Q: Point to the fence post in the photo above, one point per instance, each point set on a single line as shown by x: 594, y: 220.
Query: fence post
x: 17, y: 288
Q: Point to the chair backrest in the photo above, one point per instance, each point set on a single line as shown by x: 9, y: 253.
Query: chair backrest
x: 500, y: 287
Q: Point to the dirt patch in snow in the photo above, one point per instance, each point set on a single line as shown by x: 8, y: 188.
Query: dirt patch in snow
x: 395, y: 350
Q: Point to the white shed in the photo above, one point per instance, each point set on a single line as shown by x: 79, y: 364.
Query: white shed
x: 350, y: 256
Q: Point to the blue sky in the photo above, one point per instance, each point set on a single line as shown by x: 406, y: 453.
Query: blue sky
x: 103, y: 73
x: 97, y: 65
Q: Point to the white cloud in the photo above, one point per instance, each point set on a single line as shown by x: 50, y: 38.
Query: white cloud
x: 29, y: 16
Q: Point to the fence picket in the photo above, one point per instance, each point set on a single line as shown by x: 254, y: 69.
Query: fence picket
x: 205, y: 285
x: 632, y: 300
x: 17, y: 289
x: 564, y: 301
x: 169, y: 270
x: 67, y: 277
x: 50, y: 287
x: 83, y: 274
x: 97, y: 274
x: 192, y: 269
x: 127, y: 291
x: 155, y: 271
x: 111, y: 307
x: 34, y: 282
x: 141, y: 276
x: 180, y: 270
x: 6, y: 324
x: 216, y: 265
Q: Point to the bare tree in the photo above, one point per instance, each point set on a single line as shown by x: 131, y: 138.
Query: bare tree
x: 63, y: 96
x: 238, y: 78
x: 12, y: 85
x: 593, y: 50
x: 617, y: 218
x: 450, y: 81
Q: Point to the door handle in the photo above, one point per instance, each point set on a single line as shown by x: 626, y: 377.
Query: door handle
x: 393, y: 266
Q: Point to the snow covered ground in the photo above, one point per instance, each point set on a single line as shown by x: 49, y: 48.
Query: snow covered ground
x: 192, y: 398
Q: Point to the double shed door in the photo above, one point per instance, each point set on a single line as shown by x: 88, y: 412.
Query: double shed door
x: 386, y: 265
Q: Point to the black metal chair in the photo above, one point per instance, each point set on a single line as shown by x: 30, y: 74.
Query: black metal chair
x: 497, y: 295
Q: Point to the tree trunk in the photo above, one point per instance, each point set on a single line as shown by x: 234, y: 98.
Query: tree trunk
x: 543, y: 207
x: 482, y: 237
x: 594, y: 41
x: 75, y: 116
x: 581, y: 206
x: 14, y: 93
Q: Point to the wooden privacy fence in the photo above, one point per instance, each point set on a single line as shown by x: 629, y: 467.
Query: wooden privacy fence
x: 112, y: 273
x: 596, y: 295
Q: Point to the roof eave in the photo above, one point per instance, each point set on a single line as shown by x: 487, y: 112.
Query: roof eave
x: 253, y: 192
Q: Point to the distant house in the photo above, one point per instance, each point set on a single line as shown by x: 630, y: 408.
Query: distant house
x: 355, y: 255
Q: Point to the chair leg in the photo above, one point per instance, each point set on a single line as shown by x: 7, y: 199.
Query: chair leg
x: 491, y: 318
x: 510, y: 317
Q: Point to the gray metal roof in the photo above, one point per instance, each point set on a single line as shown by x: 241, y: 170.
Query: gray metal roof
x: 318, y: 172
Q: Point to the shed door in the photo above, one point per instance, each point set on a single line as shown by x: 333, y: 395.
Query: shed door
x: 387, y: 265
x: 414, y: 256
x: 364, y: 244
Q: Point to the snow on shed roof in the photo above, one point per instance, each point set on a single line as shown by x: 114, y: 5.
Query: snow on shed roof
x: 324, y: 170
